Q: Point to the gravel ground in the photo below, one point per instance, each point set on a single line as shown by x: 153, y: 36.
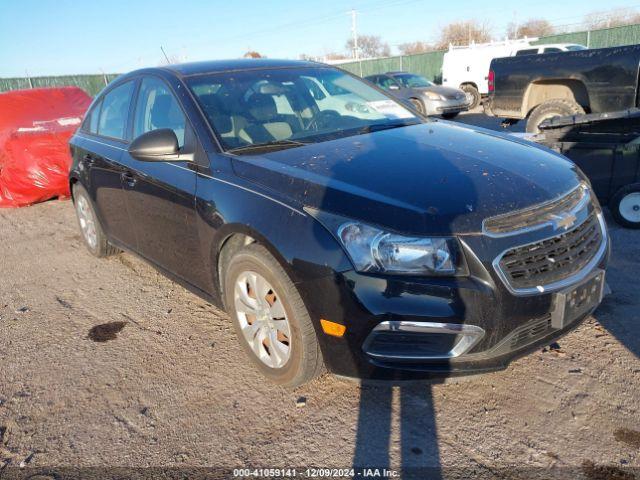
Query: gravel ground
x: 167, y: 385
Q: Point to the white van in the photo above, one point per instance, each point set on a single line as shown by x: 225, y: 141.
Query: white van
x: 467, y: 67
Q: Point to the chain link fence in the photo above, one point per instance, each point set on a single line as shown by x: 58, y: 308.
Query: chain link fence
x: 428, y: 64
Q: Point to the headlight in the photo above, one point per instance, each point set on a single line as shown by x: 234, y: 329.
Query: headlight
x: 377, y: 251
x: 433, y: 96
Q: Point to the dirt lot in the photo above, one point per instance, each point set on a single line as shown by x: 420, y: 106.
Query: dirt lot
x: 172, y: 387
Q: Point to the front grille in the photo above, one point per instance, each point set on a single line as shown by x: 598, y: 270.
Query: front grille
x: 537, y: 216
x: 554, y: 259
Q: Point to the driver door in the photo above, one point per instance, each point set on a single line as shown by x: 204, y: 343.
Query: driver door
x: 161, y: 195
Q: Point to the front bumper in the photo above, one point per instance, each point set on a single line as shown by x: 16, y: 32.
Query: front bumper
x: 500, y: 324
x: 438, y: 107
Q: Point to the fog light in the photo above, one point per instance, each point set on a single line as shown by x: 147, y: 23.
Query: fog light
x: 332, y: 328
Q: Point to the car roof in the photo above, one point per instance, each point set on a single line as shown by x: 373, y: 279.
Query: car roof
x: 216, y: 66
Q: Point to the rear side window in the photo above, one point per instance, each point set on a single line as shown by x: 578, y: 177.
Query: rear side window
x: 91, y: 125
x: 158, y: 108
x: 530, y: 51
x: 552, y: 50
x: 114, y: 112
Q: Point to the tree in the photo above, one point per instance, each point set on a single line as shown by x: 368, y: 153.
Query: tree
x: 464, y: 33
x: 415, y: 47
x: 611, y: 18
x: 370, y: 46
x: 252, y: 54
x: 534, y: 27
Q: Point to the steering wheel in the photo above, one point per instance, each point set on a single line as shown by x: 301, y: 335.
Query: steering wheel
x: 322, y: 119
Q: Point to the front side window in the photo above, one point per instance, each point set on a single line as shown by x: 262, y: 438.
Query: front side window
x: 114, y: 112
x: 293, y: 106
x: 386, y: 82
x: 410, y: 80
x: 157, y: 108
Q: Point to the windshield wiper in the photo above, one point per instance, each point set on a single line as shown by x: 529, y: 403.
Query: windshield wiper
x: 376, y: 127
x: 268, y: 145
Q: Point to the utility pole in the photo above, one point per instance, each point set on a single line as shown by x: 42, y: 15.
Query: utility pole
x: 354, y: 33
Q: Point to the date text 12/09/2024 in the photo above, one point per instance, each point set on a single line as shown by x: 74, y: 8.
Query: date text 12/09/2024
x: 315, y: 473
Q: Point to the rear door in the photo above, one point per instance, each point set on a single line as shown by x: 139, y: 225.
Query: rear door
x: 161, y: 195
x: 104, y: 144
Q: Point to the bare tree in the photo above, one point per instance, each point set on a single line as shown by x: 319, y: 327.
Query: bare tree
x: 411, y: 48
x: 464, y: 33
x: 252, y: 54
x: 611, y: 18
x: 370, y: 46
x: 534, y: 27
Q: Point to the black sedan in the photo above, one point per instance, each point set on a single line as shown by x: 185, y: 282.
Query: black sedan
x: 343, y: 232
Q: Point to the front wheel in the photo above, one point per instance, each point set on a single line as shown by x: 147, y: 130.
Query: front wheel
x: 418, y: 105
x: 625, y: 206
x: 270, y: 318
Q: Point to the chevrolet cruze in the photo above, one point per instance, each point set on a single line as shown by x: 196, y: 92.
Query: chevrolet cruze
x: 337, y: 227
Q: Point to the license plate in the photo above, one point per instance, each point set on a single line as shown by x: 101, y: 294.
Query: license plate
x: 576, y: 301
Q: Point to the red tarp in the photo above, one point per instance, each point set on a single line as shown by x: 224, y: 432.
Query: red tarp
x: 35, y: 127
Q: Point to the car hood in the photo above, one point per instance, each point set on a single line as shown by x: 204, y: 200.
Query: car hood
x: 434, y: 178
x: 446, y: 92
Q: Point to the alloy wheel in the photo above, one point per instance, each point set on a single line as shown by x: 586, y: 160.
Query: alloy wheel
x: 87, y: 221
x: 263, y: 319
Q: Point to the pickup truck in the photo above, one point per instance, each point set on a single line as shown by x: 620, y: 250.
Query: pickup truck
x: 538, y: 87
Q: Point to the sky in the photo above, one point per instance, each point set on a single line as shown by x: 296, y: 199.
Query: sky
x: 59, y: 37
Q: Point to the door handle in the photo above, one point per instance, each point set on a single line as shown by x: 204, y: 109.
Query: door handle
x: 129, y: 179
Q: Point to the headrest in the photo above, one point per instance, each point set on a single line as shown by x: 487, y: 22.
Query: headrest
x: 262, y: 107
x: 165, y: 113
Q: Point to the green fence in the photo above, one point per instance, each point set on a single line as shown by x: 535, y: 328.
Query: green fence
x: 91, y: 84
x: 427, y: 64
x: 430, y: 64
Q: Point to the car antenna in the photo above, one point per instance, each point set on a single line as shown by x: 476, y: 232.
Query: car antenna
x: 165, y: 55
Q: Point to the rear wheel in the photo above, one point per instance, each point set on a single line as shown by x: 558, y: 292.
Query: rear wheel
x: 551, y: 109
x: 418, y: 105
x: 270, y: 318
x: 473, y: 95
x: 625, y: 206
x: 92, y: 232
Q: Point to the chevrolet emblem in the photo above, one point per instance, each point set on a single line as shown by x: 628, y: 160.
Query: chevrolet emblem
x: 563, y: 221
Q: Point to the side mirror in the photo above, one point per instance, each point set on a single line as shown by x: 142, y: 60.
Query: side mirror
x: 157, y: 146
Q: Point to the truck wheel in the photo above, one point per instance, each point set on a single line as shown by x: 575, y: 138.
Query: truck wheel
x: 270, y: 318
x: 625, y: 206
x: 472, y: 94
x: 550, y: 109
x: 418, y: 105
x: 92, y: 232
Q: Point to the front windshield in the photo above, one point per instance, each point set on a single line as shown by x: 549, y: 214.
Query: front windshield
x: 410, y: 80
x: 293, y: 106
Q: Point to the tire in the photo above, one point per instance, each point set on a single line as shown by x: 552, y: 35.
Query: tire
x: 279, y: 301
x: 450, y: 116
x: 92, y: 232
x: 418, y: 105
x: 473, y: 93
x: 550, y: 109
x: 625, y: 206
